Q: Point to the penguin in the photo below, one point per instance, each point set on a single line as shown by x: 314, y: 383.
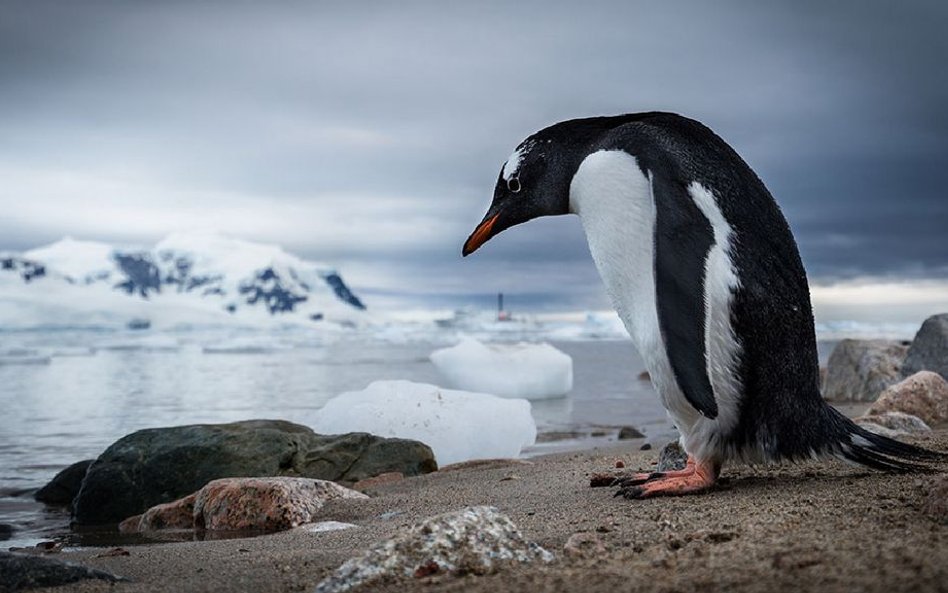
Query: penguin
x: 702, y: 268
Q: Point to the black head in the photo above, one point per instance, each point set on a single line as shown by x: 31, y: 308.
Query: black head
x: 535, y: 179
x: 533, y: 182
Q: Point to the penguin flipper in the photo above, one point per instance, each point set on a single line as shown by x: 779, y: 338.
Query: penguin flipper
x: 683, y: 238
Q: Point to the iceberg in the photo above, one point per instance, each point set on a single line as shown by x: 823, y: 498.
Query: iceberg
x: 531, y: 371
x: 457, y: 425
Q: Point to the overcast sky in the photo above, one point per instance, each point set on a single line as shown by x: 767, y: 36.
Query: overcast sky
x: 369, y: 135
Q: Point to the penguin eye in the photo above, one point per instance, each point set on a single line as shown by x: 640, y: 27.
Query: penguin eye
x: 513, y: 184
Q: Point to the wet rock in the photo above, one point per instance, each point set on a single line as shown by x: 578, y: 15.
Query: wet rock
x: 924, y: 394
x: 672, y: 457
x: 936, y: 503
x: 858, y: 370
x: 178, y: 514
x: 898, y: 422
x: 19, y: 572
x: 629, y: 432
x: 584, y: 545
x: 266, y: 504
x: 475, y: 540
x: 154, y: 466
x: 243, y: 504
x: 64, y: 487
x: 929, y: 349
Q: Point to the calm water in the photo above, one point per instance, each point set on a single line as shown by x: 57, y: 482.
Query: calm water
x: 67, y: 396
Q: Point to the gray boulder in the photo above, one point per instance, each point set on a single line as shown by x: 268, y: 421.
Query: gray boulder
x: 158, y: 465
x: 858, y: 370
x: 64, y: 487
x: 19, y: 572
x: 475, y: 540
x: 929, y: 349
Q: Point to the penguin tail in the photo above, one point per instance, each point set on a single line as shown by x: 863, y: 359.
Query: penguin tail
x: 875, y: 451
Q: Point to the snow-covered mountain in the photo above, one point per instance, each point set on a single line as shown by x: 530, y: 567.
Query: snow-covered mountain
x: 211, y: 275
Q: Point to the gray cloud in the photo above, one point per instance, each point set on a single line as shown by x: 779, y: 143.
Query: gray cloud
x: 370, y: 134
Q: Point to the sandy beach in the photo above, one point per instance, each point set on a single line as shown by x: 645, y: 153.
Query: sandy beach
x: 816, y: 526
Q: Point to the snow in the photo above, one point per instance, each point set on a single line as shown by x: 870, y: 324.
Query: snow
x: 457, y: 425
x: 207, y: 280
x: 78, y: 260
x: 532, y: 371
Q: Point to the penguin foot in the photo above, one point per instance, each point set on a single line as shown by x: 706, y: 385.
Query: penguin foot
x: 696, y: 477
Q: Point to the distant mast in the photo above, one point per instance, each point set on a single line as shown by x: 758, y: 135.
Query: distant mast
x: 501, y: 314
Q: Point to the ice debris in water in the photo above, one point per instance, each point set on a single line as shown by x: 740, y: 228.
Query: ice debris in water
x: 474, y: 540
x: 532, y: 371
x: 457, y: 425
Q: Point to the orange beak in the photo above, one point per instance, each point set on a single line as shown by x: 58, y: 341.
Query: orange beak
x: 480, y: 235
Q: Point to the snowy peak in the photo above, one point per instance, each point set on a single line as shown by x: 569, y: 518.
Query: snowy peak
x: 237, y: 275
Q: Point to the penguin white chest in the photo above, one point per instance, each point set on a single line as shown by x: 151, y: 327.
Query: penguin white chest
x: 616, y: 203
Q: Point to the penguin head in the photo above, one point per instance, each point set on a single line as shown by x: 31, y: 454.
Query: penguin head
x: 533, y: 182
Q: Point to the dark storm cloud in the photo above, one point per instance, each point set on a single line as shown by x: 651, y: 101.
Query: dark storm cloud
x: 370, y: 134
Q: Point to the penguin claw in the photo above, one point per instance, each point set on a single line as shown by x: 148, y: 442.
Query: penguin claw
x: 636, y: 480
x: 630, y: 492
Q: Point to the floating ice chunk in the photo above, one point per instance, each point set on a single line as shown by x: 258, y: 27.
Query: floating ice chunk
x: 457, y: 425
x: 533, y: 371
x: 246, y: 345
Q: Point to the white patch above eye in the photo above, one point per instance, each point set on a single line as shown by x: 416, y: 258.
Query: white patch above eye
x: 513, y: 163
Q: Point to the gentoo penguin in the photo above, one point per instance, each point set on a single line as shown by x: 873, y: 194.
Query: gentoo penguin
x: 702, y: 269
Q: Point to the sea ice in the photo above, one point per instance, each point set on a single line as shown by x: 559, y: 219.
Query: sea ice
x: 457, y: 425
x: 532, y: 371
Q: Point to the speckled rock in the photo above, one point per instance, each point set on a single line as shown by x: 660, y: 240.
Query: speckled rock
x: 924, y: 394
x: 19, y: 572
x: 475, y: 540
x: 929, y: 350
x: 936, y: 503
x: 159, y: 465
x: 897, y: 422
x: 672, y: 457
x: 858, y: 370
x: 244, y: 504
x: 264, y: 503
x: 65, y: 485
x: 178, y: 514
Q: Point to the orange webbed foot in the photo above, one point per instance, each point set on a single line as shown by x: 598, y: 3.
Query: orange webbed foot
x: 695, y: 477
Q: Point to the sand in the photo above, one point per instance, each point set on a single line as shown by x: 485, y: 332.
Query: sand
x: 820, y: 526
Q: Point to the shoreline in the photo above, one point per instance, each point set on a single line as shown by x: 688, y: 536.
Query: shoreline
x: 808, y: 526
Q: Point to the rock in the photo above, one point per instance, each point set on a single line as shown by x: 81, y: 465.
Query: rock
x: 243, y: 504
x: 264, y: 504
x: 898, y: 422
x: 21, y: 571
x: 672, y: 457
x: 627, y: 433
x: 924, y: 394
x: 644, y: 376
x: 64, y: 487
x: 475, y: 540
x: 6, y: 531
x: 584, y: 545
x: 154, y: 466
x: 178, y: 514
x: 936, y: 503
x: 929, y: 349
x: 858, y: 370
x: 380, y: 480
